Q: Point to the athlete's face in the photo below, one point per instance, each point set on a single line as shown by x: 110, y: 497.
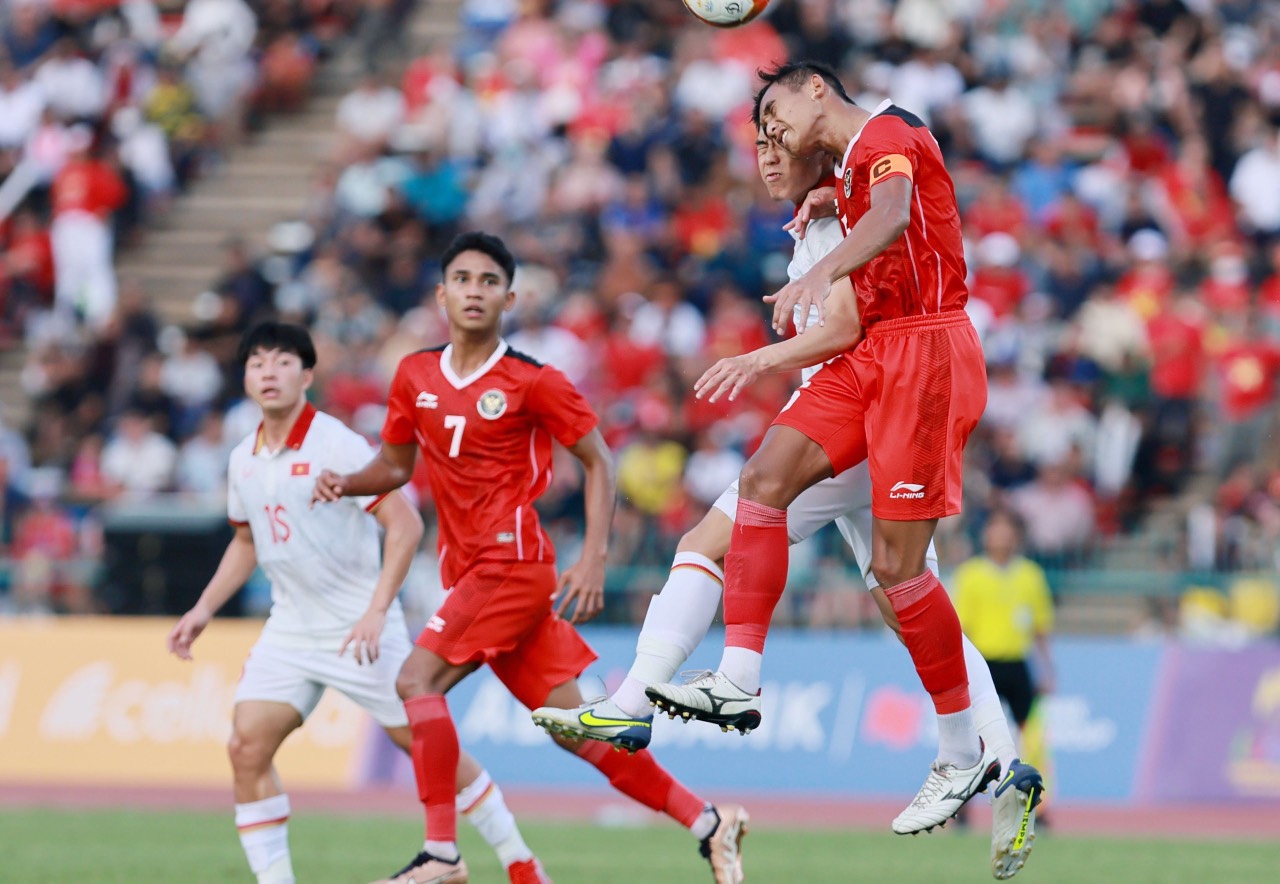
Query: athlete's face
x: 790, y: 116
x: 786, y: 177
x: 475, y: 293
x: 276, y: 380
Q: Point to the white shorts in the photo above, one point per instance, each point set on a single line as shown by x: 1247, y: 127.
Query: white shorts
x: 844, y: 499
x: 299, y: 676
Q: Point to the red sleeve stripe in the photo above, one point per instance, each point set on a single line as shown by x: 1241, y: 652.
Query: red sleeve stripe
x: 265, y: 824
x: 712, y: 574
x: 236, y: 524
x: 373, y: 504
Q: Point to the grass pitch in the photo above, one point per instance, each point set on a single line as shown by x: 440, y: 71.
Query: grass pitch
x: 166, y: 846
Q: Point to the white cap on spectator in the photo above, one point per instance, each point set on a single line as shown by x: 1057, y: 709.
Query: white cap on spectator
x: 998, y: 250
x: 1148, y: 245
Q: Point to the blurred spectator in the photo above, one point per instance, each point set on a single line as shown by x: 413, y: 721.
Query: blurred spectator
x: 1246, y: 369
x: 1255, y: 184
x: 202, y: 460
x: 22, y: 101
x: 371, y: 112
x: 138, y: 461
x: 44, y: 543
x: 215, y: 39
x: 85, y: 193
x: 72, y: 85
x: 1058, y: 515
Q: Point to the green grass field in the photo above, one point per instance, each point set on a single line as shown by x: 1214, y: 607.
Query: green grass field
x: 137, y: 847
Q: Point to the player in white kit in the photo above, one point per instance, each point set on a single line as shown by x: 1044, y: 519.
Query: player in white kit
x: 680, y: 615
x: 335, y: 620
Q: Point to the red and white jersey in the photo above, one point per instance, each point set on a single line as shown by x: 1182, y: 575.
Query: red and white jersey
x: 923, y: 271
x: 486, y: 439
x: 322, y: 561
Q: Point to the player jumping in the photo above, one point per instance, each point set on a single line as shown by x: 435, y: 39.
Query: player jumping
x: 915, y: 386
x: 679, y: 616
x: 484, y: 417
x: 331, y: 592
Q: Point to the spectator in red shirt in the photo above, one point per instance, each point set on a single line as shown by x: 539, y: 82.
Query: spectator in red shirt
x: 44, y: 539
x: 85, y: 194
x: 1148, y: 284
x: 1246, y: 370
x: 997, y: 281
x: 995, y: 210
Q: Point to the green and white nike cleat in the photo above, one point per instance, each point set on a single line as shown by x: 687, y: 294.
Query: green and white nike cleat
x: 709, y: 696
x: 597, y: 720
x: 1013, y: 819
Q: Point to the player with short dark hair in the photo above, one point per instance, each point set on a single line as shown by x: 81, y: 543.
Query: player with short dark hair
x: 915, y: 386
x: 484, y: 417
x: 335, y: 621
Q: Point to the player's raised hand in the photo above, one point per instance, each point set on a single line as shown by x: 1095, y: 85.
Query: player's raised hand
x: 732, y: 374
x: 183, y: 636
x: 820, y: 203
x: 807, y: 292
x: 328, y: 488
x: 581, y: 590
x: 364, y: 636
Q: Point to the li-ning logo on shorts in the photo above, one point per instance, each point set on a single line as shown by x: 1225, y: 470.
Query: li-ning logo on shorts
x: 427, y: 400
x: 906, y: 491
x: 436, y: 623
x: 492, y: 404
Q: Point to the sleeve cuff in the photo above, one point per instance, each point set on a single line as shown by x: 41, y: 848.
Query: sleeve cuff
x: 377, y: 501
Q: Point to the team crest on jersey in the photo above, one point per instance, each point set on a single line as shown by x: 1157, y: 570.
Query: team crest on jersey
x: 492, y: 404
x: 848, y: 183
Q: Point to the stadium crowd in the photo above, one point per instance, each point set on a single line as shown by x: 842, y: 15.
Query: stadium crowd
x: 1118, y: 171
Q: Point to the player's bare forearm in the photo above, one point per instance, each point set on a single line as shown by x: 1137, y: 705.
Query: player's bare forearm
x: 403, y: 532
x: 235, y: 569
x: 843, y: 329
x: 391, y: 468
x: 882, y: 224
x: 599, y: 490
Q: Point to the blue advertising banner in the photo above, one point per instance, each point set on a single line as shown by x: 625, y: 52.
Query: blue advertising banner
x: 844, y: 716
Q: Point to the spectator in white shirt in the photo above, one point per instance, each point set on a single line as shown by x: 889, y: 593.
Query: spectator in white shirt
x: 372, y: 112
x: 21, y: 104
x: 73, y: 85
x: 1255, y: 185
x: 202, y: 461
x: 138, y: 461
x: 1003, y: 119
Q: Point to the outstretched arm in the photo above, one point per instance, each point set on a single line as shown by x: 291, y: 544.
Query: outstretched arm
x: 582, y: 585
x: 390, y: 468
x: 734, y: 374
x: 875, y: 231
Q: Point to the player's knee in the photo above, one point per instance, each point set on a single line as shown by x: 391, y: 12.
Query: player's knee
x: 247, y: 754
x: 763, y: 486
x: 410, y: 683
x: 891, y: 570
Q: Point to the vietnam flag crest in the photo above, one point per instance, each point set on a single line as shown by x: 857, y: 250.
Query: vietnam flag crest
x: 301, y: 469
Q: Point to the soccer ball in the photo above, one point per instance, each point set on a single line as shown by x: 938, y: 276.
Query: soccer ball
x: 726, y: 13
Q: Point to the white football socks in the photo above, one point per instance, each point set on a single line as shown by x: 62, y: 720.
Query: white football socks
x: 264, y: 835
x: 482, y: 804
x: 677, y: 621
x: 956, y: 743
x: 742, y: 667
x: 988, y: 711
x: 443, y: 850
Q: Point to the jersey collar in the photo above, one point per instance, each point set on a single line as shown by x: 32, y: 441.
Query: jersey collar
x: 297, y: 434
x: 881, y: 108
x: 446, y: 366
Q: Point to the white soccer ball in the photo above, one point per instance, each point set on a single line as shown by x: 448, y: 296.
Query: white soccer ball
x: 726, y: 13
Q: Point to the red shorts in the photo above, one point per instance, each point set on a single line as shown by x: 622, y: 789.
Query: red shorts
x: 915, y: 387
x: 500, y: 613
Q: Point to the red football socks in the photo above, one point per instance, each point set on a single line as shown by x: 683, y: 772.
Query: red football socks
x: 755, y: 572
x: 931, y: 632
x: 640, y: 777
x: 435, y: 763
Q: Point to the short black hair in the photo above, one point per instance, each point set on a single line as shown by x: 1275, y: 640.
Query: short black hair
x: 283, y: 336
x: 793, y: 75
x: 476, y: 241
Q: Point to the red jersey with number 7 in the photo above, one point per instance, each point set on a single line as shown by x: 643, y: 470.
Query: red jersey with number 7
x: 487, y: 441
x: 923, y: 270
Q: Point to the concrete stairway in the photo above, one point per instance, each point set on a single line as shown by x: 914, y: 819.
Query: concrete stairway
x: 264, y: 181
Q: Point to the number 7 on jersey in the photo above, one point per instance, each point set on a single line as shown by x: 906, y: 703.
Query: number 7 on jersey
x: 457, y: 423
